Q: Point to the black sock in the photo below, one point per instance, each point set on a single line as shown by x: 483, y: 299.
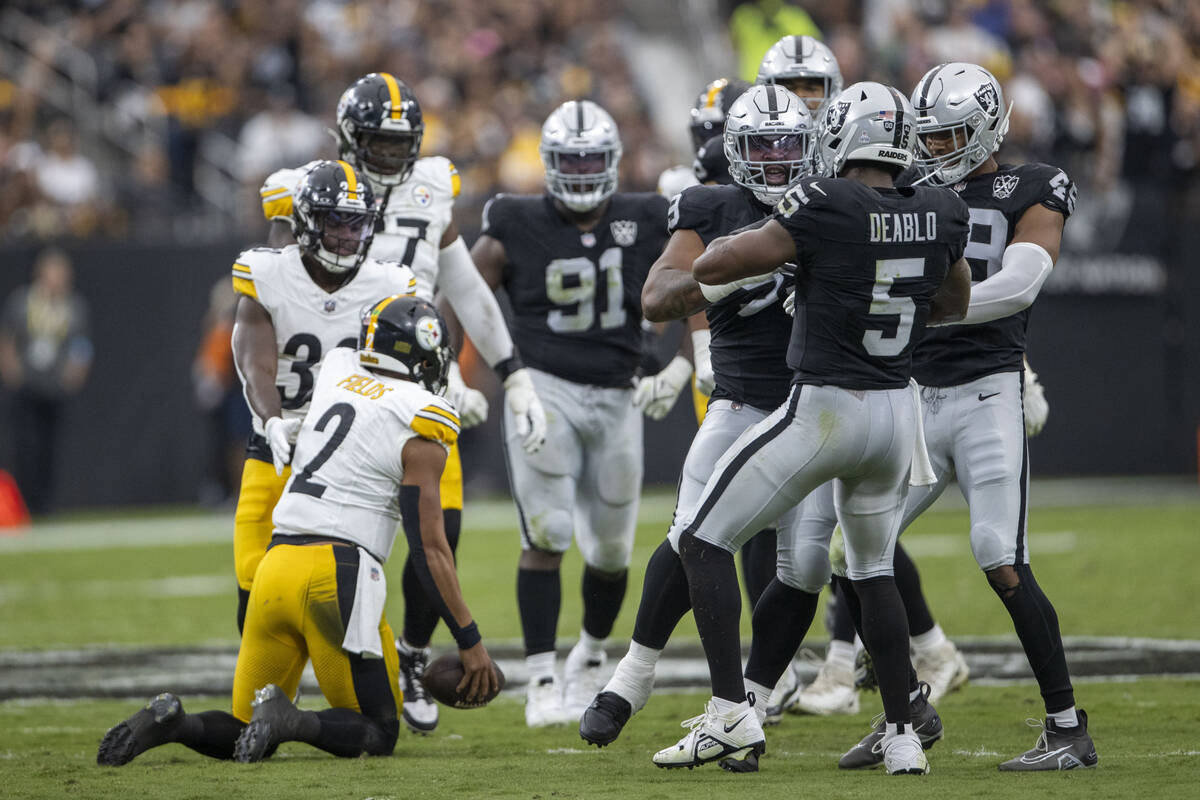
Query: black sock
x: 603, y: 594
x: 349, y: 734
x: 420, y: 617
x: 1036, y: 624
x: 539, y: 599
x: 210, y: 733
x: 847, y: 594
x: 782, y: 617
x: 243, y: 604
x: 908, y: 582
x: 759, y: 556
x: 717, y: 607
x: 838, y: 620
x: 885, y: 633
x: 665, y: 598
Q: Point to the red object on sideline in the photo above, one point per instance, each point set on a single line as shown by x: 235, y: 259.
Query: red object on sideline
x: 13, y: 513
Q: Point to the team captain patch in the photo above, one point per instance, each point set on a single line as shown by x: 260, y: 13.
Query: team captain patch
x: 1004, y: 186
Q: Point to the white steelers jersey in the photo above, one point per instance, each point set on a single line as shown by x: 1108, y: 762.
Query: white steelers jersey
x: 347, y: 466
x: 309, y: 322
x: 416, y: 214
x: 674, y: 180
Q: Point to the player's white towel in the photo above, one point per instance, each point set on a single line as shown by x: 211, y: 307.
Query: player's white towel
x: 370, y: 592
x: 922, y: 471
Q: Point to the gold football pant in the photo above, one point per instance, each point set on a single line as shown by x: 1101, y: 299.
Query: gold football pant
x: 299, y: 607
x: 699, y: 402
x: 261, y: 490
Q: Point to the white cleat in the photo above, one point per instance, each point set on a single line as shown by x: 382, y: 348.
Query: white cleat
x: 420, y: 711
x: 735, y: 739
x: 583, y: 679
x: 944, y: 670
x: 832, y: 692
x: 543, y: 702
x: 903, y: 753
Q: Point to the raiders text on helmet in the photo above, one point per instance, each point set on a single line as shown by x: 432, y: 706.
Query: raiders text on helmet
x: 964, y: 103
x: 768, y: 141
x: 408, y: 336
x: 580, y: 150
x: 379, y: 128
x: 333, y: 217
x: 796, y: 58
x: 866, y: 122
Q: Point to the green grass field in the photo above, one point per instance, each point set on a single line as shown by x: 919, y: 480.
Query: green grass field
x: 166, y: 580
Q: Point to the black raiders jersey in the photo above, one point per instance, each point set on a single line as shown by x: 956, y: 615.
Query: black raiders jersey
x: 869, y: 262
x: 955, y: 354
x: 576, y: 295
x: 750, y: 329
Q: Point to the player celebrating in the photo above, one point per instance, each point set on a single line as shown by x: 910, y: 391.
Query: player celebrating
x: 874, y: 265
x: 573, y: 262
x: 379, y: 130
x: 768, y: 135
x: 806, y: 67
x: 371, y: 453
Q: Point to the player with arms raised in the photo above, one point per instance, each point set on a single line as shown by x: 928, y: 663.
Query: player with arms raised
x: 370, y: 455
x: 573, y: 262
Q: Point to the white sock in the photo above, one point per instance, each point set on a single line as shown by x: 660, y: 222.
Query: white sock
x: 761, y: 694
x: 840, y: 654
x: 590, y: 644
x: 893, y: 729
x: 634, y: 676
x: 540, y: 665
x: 644, y: 655
x: 1064, y: 719
x: 723, y: 706
x: 929, y: 640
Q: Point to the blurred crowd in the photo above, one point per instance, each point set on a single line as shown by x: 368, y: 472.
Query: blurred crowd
x: 192, y: 97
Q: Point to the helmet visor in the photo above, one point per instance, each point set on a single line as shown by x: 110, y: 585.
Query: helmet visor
x: 388, y: 152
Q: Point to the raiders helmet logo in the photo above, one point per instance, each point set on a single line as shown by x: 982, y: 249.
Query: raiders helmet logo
x: 835, y: 117
x: 1004, y: 186
x: 429, y: 333
x: 987, y: 98
x: 624, y: 231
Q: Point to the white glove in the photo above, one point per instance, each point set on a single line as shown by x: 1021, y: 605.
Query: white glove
x: 655, y: 394
x: 471, y: 404
x: 789, y: 303
x: 714, y: 293
x: 281, y: 435
x: 1036, y: 407
x: 523, y: 402
x: 706, y: 381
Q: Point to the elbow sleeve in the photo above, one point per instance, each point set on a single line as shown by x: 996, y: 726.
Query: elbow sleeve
x: 1014, y: 288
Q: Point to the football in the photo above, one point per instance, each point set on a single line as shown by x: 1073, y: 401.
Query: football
x: 442, y: 677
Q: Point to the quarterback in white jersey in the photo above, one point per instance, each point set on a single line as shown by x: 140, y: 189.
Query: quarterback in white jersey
x: 379, y: 130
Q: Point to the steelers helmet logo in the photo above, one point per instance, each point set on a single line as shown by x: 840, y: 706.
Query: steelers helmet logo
x: 422, y: 196
x: 429, y: 333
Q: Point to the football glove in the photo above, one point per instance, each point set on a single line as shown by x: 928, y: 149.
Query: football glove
x: 789, y: 303
x: 1037, y: 409
x: 706, y: 381
x: 471, y: 404
x: 281, y: 435
x: 655, y: 394
x: 523, y: 402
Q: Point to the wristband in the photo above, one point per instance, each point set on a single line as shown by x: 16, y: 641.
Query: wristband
x: 466, y: 637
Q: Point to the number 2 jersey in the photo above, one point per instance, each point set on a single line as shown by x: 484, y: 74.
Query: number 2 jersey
x: 956, y: 354
x: 308, y: 321
x: 347, y: 466
x: 869, y: 262
x: 576, y: 295
x: 750, y: 329
x: 412, y: 216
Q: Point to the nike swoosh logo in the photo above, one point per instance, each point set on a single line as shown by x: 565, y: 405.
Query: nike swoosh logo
x: 983, y: 396
x: 1043, y: 756
x: 729, y: 728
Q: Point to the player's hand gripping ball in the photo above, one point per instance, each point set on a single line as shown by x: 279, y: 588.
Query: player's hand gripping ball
x: 442, y: 677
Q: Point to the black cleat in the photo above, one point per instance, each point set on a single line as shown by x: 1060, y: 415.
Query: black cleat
x: 154, y: 725
x: 603, y: 720
x: 276, y: 720
x: 1057, y: 749
x: 869, y: 752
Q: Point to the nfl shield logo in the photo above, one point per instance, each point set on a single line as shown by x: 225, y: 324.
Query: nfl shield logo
x: 1004, y: 186
x: 624, y: 231
x: 330, y: 306
x: 588, y: 239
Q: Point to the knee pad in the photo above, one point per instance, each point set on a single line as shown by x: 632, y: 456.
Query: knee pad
x: 807, y: 570
x: 607, y: 555
x: 619, y: 478
x: 550, y: 530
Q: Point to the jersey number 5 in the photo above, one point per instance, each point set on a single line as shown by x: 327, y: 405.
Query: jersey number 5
x: 572, y: 282
x: 303, y: 482
x: 901, y: 309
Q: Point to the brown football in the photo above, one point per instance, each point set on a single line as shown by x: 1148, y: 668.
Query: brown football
x: 442, y: 677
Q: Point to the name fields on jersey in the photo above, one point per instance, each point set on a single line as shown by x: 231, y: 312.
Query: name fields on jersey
x: 365, y: 385
x: 905, y: 227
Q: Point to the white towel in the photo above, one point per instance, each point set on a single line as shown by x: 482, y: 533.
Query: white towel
x: 370, y: 592
x: 922, y: 471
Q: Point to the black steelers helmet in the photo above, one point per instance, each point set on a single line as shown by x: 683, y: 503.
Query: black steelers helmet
x: 379, y: 128
x: 710, y: 164
x: 708, y: 114
x: 333, y: 216
x: 406, y: 335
